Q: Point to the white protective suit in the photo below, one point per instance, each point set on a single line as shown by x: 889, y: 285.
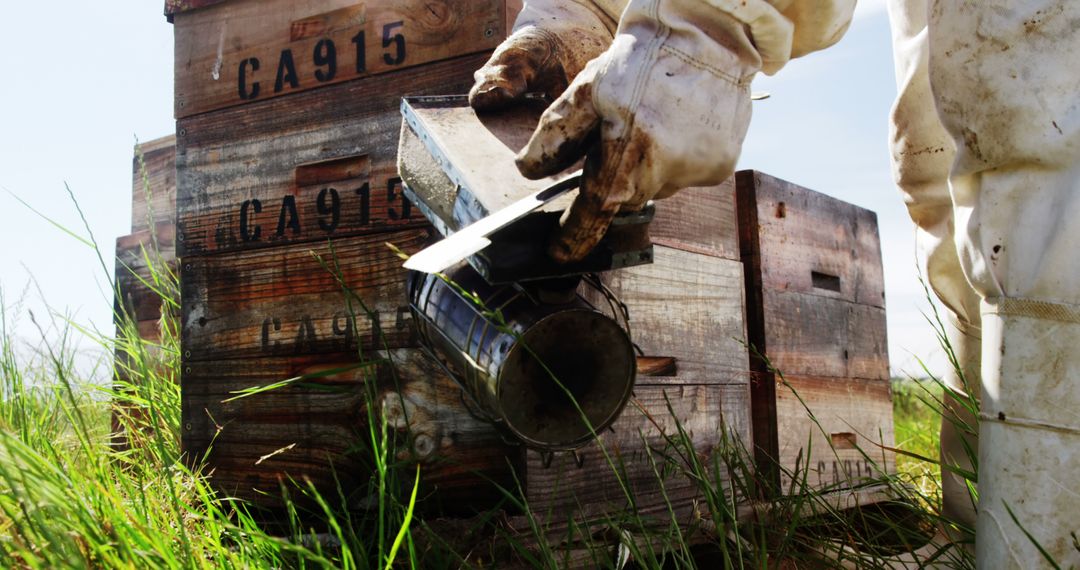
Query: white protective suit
x: 986, y: 148
x: 986, y: 144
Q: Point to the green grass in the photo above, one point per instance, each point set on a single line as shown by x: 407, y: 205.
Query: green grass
x: 917, y: 426
x: 71, y: 498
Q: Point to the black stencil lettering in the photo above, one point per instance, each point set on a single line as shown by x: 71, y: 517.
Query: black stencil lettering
x: 397, y: 40
x: 365, y: 203
x: 343, y: 326
x: 393, y: 195
x: 361, y: 52
x: 306, y: 334
x: 267, y: 323
x: 333, y: 209
x: 286, y: 71
x: 248, y: 92
x: 376, y: 328
x: 288, y: 218
x: 325, y: 56
x: 249, y: 232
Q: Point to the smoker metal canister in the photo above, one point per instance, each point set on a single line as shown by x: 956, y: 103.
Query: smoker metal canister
x: 505, y: 352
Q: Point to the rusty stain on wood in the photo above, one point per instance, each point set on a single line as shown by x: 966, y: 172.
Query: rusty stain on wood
x: 656, y: 366
x: 323, y: 24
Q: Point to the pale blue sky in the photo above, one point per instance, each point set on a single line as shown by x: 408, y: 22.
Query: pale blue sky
x: 82, y: 80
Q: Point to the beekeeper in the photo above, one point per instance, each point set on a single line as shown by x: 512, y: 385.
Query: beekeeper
x: 656, y: 93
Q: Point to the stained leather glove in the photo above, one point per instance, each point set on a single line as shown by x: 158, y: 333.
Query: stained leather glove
x: 664, y: 108
x: 551, y: 43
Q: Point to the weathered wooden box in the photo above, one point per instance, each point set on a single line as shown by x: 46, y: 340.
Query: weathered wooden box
x: 683, y: 297
x: 145, y: 295
x: 153, y: 187
x: 153, y: 233
x: 816, y: 313
x: 686, y: 306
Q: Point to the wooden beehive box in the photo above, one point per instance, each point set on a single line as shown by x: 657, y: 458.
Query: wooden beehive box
x: 687, y: 306
x: 816, y: 311
x: 683, y: 295
x: 140, y: 299
x: 153, y: 233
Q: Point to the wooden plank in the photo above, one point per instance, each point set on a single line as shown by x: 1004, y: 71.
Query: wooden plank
x: 141, y: 301
x: 159, y: 243
x: 699, y: 220
x: 138, y: 257
x: 149, y: 331
x: 583, y: 485
x: 313, y: 166
x: 311, y: 428
x: 817, y: 336
x: 689, y: 306
x: 845, y: 445
x: 762, y: 385
x: 284, y: 301
x: 140, y: 298
x: 176, y: 6
x: 812, y: 243
x: 153, y: 188
x: 250, y: 50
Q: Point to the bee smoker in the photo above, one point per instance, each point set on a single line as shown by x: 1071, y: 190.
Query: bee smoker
x: 517, y: 331
x: 537, y: 359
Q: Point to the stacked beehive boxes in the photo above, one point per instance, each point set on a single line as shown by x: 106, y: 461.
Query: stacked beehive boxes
x: 287, y: 126
x: 816, y: 315
x: 287, y: 197
x: 145, y: 266
x: 686, y: 314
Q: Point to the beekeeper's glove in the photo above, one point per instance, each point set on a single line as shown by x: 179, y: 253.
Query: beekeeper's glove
x: 668, y: 104
x: 552, y: 42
